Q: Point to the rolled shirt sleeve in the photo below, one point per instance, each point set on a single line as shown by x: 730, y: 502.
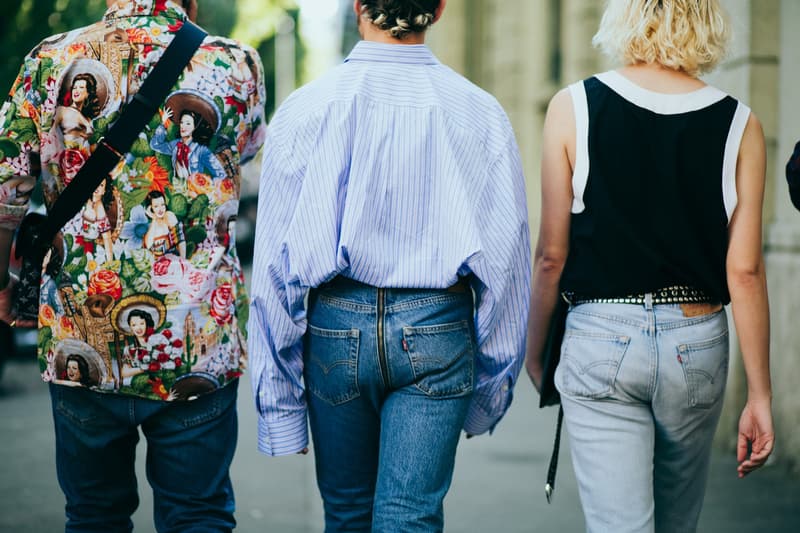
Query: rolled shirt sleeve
x: 277, y: 316
x: 503, y: 270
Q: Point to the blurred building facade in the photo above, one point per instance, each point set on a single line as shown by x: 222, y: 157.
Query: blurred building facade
x: 523, y: 51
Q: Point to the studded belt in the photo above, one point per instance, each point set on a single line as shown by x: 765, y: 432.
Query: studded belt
x: 678, y: 294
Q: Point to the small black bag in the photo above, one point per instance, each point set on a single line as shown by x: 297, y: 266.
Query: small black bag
x: 548, y: 394
x: 36, y: 232
x: 25, y: 299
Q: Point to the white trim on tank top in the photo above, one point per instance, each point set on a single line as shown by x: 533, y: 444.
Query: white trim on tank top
x: 663, y: 104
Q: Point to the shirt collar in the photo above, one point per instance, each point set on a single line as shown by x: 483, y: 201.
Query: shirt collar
x: 415, y: 54
x: 145, y: 8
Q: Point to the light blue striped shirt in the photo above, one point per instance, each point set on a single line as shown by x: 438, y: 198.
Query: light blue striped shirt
x: 395, y: 171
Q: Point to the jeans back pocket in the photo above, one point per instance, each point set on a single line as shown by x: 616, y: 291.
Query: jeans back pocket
x: 589, y: 363
x: 705, y: 366
x: 331, y: 364
x: 442, y: 358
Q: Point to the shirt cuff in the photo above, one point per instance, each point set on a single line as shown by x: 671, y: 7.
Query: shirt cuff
x: 480, y: 421
x: 286, y: 436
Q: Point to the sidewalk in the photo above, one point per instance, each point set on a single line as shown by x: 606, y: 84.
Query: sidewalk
x: 498, y: 485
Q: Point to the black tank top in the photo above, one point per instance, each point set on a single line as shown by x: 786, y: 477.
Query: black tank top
x: 654, y: 188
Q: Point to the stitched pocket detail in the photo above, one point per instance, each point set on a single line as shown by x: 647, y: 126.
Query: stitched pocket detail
x: 590, y: 363
x: 705, y: 367
x: 442, y: 358
x: 331, y: 364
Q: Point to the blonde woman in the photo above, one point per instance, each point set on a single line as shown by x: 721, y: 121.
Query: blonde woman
x: 652, y: 190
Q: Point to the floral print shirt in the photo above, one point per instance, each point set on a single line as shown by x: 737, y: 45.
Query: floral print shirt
x: 143, y: 293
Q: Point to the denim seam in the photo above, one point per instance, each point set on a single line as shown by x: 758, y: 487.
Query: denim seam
x: 214, y: 411
x: 353, y: 340
x: 63, y: 409
x: 422, y: 302
x: 663, y: 326
x: 692, y: 391
x: 438, y: 328
x: 583, y: 334
x: 703, y: 345
x: 409, y: 333
x: 612, y: 318
x: 341, y: 303
x: 395, y: 307
x: 671, y: 325
x: 652, y: 338
x: 621, y: 343
x: 333, y: 333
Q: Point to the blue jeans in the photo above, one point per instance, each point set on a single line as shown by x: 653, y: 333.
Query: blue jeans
x: 390, y: 376
x: 190, y: 447
x: 642, y: 390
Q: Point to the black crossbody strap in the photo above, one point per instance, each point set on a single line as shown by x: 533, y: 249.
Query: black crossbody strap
x: 124, y: 131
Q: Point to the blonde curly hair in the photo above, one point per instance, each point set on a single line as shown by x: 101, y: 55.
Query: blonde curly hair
x: 687, y: 35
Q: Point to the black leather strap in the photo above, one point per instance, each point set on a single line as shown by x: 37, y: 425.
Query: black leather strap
x: 550, y: 486
x: 122, y: 134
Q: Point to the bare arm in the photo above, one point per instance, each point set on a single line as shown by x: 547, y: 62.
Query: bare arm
x: 748, y: 289
x: 550, y: 255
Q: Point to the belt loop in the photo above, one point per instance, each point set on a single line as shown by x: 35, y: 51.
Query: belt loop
x: 648, y: 301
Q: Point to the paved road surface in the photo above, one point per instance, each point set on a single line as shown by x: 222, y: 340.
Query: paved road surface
x: 498, y: 485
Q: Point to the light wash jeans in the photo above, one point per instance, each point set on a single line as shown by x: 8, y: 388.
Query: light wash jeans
x: 642, y: 389
x: 389, y: 375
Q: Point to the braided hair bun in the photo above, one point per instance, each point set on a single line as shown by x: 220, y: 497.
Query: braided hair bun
x: 400, y: 17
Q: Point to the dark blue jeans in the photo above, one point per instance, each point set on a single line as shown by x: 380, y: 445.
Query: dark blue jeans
x: 389, y: 375
x: 190, y: 447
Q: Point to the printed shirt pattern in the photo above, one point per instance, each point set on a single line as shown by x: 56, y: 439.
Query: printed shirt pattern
x: 143, y: 294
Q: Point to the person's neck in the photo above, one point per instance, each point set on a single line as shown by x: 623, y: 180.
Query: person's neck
x: 657, y: 77
x: 370, y: 32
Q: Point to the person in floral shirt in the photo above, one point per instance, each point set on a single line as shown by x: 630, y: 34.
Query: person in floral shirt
x: 142, y: 304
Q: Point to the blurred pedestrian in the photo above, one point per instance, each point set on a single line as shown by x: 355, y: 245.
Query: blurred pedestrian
x: 652, y: 192
x: 392, y: 196
x: 96, y: 293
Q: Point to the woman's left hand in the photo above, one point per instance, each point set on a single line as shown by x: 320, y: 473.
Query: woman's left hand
x: 756, y: 436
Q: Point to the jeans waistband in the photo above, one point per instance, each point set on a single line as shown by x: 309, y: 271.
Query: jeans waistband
x: 342, y: 282
x: 677, y: 294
